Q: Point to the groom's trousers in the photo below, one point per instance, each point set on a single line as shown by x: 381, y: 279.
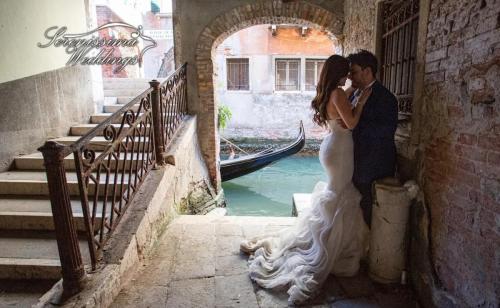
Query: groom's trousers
x: 366, y: 200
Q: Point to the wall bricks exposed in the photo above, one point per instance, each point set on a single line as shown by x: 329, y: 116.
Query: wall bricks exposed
x: 462, y: 178
x: 359, y: 25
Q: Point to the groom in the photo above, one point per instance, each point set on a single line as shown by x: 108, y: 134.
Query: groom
x: 374, y: 148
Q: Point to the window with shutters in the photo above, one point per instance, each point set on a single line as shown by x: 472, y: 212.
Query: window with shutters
x: 287, y: 75
x: 237, y: 74
x: 313, y: 70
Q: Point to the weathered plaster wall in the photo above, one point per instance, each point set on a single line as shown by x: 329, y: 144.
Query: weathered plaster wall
x: 40, y: 107
x: 40, y: 97
x: 270, y: 116
x: 359, y: 24
x: 261, y: 111
x: 22, y: 26
x: 196, y: 36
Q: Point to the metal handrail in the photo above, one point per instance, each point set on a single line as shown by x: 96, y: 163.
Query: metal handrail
x: 108, y: 182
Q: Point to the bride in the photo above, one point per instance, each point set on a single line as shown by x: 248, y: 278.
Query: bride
x: 330, y: 237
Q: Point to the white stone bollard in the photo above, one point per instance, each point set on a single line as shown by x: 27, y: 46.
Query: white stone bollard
x: 388, y: 244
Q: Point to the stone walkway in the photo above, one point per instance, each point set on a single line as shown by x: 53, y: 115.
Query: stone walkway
x: 197, y: 263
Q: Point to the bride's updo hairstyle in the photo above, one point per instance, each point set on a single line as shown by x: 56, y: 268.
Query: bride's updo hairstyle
x: 335, y: 68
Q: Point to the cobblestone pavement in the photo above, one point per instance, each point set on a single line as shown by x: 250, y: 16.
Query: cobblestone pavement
x: 197, y: 263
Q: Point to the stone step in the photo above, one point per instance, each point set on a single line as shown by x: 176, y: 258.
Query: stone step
x: 114, y: 108
x: 124, y: 92
x: 34, y: 183
x: 82, y: 129
x: 99, y: 143
x: 34, y: 161
x: 124, y: 99
x: 101, y: 117
x: 110, y: 100
x: 32, y: 255
x: 36, y: 214
x: 125, y: 83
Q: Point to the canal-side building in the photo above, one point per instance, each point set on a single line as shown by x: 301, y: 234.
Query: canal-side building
x: 271, y: 69
x: 94, y: 168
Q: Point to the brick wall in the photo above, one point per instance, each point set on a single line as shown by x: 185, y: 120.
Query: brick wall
x: 461, y: 139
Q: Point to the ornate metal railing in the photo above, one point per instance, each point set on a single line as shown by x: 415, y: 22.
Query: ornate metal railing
x: 399, y: 41
x: 112, y: 161
x: 173, y: 105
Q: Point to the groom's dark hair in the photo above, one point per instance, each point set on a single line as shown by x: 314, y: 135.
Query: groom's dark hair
x: 365, y: 59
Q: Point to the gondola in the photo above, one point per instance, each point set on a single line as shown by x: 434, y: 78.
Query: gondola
x: 233, y: 168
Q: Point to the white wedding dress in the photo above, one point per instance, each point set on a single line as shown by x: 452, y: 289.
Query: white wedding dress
x: 328, y: 238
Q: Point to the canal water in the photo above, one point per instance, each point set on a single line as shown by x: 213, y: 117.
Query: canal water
x: 268, y: 192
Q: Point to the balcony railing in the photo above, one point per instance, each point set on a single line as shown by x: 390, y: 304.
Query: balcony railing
x: 112, y: 161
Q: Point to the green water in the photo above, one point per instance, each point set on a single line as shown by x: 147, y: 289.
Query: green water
x: 268, y: 192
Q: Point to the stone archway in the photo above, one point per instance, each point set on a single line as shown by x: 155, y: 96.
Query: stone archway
x: 260, y: 12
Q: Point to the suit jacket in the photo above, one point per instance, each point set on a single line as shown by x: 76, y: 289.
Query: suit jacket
x: 374, y: 147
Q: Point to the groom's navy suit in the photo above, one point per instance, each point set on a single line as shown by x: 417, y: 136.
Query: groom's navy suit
x: 374, y: 148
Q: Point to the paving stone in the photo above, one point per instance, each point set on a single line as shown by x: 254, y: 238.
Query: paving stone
x: 228, y: 245
x: 274, y: 229
x: 231, y: 265
x: 187, y: 267
x: 157, y: 274
x: 356, y: 303
x: 228, y: 229
x: 195, y: 231
x: 175, y: 230
x: 159, y: 265
x: 395, y: 299
x: 357, y: 286
x: 19, y: 299
x: 204, y: 268
x: 205, y: 245
x: 22, y: 293
x: 191, y: 293
x: 332, y: 290
x: 234, y: 291
x: 251, y: 231
x: 272, y: 298
x: 137, y: 295
x: 195, y: 219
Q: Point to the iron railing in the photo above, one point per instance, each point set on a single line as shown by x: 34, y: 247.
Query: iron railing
x: 399, y: 41
x: 112, y: 161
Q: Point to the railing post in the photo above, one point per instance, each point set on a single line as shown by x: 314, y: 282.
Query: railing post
x: 157, y: 129
x: 73, y: 271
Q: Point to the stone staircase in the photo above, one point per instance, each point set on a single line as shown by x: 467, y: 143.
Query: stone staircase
x: 27, y: 239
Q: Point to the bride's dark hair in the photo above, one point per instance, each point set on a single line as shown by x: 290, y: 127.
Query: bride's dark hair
x: 335, y: 68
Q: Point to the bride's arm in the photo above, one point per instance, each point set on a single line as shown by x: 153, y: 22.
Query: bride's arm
x: 349, y: 115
